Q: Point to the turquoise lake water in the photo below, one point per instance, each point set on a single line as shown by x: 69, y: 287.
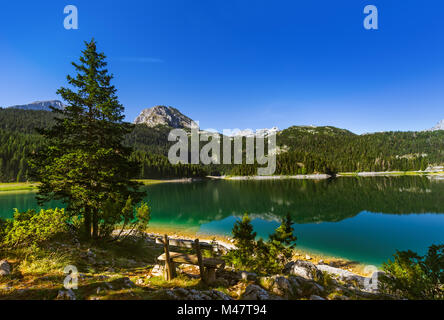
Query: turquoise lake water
x: 362, y: 219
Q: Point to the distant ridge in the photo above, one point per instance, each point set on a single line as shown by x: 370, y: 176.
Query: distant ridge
x: 40, y: 105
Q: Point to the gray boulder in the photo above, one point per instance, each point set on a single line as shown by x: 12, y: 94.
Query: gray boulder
x: 192, y: 294
x: 248, y: 275
x: 341, y: 274
x: 254, y: 292
x: 278, y: 285
x: 90, y: 253
x: 128, y: 283
x: 218, y: 295
x: 304, y: 269
x: 315, y: 297
x: 5, y: 268
x: 305, y: 287
x: 66, y: 295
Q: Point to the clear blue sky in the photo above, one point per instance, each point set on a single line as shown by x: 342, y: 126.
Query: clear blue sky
x: 241, y: 64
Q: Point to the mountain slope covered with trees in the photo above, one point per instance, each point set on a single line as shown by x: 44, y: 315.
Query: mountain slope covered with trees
x: 302, y: 150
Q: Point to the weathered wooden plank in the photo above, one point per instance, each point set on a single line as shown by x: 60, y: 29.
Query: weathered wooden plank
x: 210, y: 274
x: 169, y: 271
x: 185, y: 243
x: 192, y: 259
x: 199, y: 260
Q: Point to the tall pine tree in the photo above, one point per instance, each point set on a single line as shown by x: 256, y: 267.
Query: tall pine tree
x: 84, y: 162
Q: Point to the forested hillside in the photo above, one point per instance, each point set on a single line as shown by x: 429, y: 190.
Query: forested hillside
x: 19, y: 139
x: 302, y: 150
x: 340, y: 150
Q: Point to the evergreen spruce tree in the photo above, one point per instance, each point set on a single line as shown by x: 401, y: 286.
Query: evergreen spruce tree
x: 84, y: 162
x: 244, y: 238
x: 243, y: 233
x: 282, y: 241
x: 284, y: 233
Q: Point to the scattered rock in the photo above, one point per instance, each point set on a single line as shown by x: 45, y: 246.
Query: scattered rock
x: 321, y: 262
x: 307, y: 257
x: 131, y: 262
x: 5, y: 268
x: 315, y: 297
x: 90, y: 253
x: 254, y: 292
x: 109, y: 285
x: 304, y: 287
x: 192, y: 294
x: 157, y: 271
x: 66, y: 295
x: 128, y: 283
x: 6, y: 287
x: 23, y: 291
x: 304, y: 269
x: 340, y: 297
x: 248, y: 275
x: 341, y: 274
x: 219, y: 295
x: 278, y: 285
x: 139, y: 282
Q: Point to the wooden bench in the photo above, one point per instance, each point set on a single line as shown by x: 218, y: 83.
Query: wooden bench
x: 207, y: 266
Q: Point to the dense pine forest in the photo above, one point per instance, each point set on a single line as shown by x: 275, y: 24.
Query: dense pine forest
x: 19, y: 140
x: 305, y: 150
x: 302, y: 150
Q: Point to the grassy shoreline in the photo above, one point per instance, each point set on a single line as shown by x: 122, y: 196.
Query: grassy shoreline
x: 124, y: 270
x: 18, y: 186
x: 30, y: 186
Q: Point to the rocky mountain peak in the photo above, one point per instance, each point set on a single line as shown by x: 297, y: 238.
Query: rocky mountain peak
x: 439, y: 126
x: 162, y: 115
x: 40, y: 105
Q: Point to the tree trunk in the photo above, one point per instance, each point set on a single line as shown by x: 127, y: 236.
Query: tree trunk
x: 95, y: 225
x: 87, y: 224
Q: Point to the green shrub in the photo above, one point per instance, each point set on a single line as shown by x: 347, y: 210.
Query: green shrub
x: 5, y: 225
x: 266, y: 258
x: 31, y: 227
x: 260, y: 256
x: 126, y: 215
x: 415, y: 277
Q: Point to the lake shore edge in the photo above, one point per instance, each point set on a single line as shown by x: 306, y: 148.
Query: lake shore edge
x: 313, y: 256
x: 322, y: 176
x: 31, y: 186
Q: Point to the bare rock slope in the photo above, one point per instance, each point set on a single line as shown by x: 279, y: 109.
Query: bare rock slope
x: 161, y: 115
